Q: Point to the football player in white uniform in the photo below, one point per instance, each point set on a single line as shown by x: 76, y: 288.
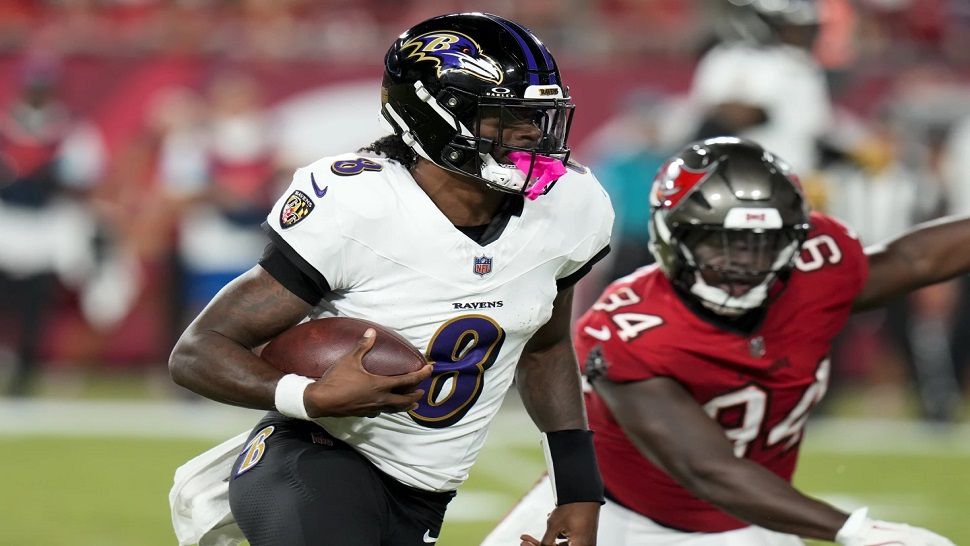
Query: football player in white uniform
x: 464, y: 231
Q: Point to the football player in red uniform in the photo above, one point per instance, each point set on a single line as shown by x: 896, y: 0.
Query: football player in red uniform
x: 704, y: 367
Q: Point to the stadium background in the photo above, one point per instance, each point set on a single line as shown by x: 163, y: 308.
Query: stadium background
x: 160, y: 130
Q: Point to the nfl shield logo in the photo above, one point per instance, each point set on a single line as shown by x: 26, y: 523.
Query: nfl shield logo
x: 483, y: 266
x: 756, y: 346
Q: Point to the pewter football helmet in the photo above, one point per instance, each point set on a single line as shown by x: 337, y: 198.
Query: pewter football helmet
x: 726, y: 221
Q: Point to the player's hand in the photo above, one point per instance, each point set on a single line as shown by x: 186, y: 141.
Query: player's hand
x: 348, y: 389
x: 573, y: 524
x: 859, y: 530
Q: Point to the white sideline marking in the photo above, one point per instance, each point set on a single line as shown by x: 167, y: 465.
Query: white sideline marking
x: 203, y: 419
x: 178, y: 419
x: 884, y: 436
x: 212, y: 421
x: 512, y: 427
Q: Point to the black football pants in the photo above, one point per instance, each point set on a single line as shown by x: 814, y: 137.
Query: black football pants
x: 295, y: 485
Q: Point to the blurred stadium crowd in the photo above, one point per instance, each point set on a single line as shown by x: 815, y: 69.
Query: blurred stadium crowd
x: 893, y: 31
x: 142, y: 141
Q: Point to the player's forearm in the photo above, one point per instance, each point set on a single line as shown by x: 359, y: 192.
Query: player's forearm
x: 758, y: 496
x: 932, y: 252
x: 549, y: 385
x: 214, y: 355
x: 939, y: 249
x: 219, y: 368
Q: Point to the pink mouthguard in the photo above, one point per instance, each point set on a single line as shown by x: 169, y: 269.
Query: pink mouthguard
x: 546, y: 170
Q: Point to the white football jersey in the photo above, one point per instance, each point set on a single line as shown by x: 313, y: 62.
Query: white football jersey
x: 390, y: 256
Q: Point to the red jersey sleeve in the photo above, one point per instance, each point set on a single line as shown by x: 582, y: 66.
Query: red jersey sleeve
x: 621, y: 336
x: 834, y: 251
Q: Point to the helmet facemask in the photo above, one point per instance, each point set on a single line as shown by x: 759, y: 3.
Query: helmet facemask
x: 511, y: 144
x: 731, y: 271
x: 521, y: 143
x: 514, y: 145
x: 727, y: 219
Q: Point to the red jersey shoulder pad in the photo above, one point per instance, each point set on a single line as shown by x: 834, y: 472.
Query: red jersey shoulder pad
x: 626, y: 329
x: 832, y: 256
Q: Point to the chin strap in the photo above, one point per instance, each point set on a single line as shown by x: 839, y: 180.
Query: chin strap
x: 506, y: 177
x: 721, y: 302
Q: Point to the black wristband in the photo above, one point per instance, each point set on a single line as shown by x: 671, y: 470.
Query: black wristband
x: 571, y: 462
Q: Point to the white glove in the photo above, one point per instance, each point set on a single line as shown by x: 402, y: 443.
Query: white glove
x: 859, y: 530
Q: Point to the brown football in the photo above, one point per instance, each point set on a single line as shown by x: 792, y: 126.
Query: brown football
x: 310, y: 348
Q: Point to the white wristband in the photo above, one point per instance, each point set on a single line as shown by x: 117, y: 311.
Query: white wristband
x: 289, y: 396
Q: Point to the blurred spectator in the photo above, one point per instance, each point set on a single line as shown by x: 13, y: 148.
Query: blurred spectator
x: 189, y: 183
x: 957, y: 166
x: 888, y: 31
x: 881, y: 188
x: 48, y: 234
x: 874, y: 191
x: 627, y: 151
x: 762, y: 82
x: 956, y: 169
x: 219, y: 234
x: 156, y: 175
x: 928, y: 323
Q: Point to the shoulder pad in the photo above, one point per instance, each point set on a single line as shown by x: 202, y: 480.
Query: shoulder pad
x: 344, y: 170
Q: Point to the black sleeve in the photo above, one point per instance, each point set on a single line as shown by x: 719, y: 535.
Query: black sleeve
x: 573, y: 278
x: 279, y: 263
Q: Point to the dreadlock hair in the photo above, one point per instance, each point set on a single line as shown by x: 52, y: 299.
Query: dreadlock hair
x: 393, y: 147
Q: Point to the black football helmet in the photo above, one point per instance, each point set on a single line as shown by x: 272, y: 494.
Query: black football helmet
x: 727, y: 219
x: 445, y: 76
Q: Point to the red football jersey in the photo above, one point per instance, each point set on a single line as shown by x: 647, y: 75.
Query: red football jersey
x: 759, y: 387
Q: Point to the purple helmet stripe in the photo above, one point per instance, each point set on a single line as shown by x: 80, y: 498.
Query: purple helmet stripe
x: 553, y: 77
x: 550, y: 64
x: 531, y: 66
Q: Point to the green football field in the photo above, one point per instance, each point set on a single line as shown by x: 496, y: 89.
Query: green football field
x: 104, y: 486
